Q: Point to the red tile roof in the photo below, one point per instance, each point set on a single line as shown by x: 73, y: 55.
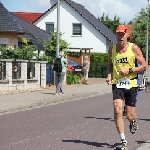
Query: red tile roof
x: 28, y: 16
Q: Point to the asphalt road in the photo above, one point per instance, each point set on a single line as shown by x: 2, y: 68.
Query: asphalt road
x: 85, y: 124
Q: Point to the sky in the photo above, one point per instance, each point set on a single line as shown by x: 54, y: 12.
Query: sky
x: 125, y: 9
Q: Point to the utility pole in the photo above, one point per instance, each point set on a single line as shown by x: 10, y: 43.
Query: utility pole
x: 58, y: 28
x: 147, y: 35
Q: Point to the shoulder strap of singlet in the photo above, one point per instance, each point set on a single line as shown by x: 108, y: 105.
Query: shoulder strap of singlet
x: 130, y: 45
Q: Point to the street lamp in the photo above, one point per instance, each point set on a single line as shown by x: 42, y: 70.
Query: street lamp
x: 147, y: 32
x: 52, y: 2
x: 58, y: 28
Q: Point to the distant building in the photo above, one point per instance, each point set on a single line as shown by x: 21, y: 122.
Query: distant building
x: 28, y: 16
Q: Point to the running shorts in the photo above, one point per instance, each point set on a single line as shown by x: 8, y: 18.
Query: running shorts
x: 128, y: 95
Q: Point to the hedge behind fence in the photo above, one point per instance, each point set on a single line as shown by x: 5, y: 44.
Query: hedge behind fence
x: 98, y: 65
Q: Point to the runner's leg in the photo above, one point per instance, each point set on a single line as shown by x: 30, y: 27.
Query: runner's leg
x: 118, y: 96
x: 131, y: 100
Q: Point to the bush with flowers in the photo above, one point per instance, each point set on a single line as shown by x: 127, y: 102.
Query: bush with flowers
x: 15, y: 70
x: 72, y: 78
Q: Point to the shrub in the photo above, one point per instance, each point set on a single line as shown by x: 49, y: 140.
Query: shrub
x: 73, y: 78
x: 98, y: 65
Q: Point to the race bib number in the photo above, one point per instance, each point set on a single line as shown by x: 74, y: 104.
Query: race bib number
x: 123, y: 83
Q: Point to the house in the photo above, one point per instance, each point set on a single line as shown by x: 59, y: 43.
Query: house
x: 28, y: 16
x: 13, y: 28
x: 81, y: 28
x: 9, y: 29
x: 20, y: 74
x: 34, y: 35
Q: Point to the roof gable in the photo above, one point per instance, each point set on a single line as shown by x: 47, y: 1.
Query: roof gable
x: 11, y: 23
x: 8, y: 22
x: 28, y: 16
x: 32, y: 30
x: 90, y: 18
x: 93, y: 20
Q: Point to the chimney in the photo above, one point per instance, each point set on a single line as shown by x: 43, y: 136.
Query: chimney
x: 52, y: 2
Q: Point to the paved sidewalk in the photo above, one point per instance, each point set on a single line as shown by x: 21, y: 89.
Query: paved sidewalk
x: 18, y: 101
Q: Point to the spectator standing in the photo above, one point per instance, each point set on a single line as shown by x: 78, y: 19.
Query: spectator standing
x: 60, y: 76
x: 85, y: 69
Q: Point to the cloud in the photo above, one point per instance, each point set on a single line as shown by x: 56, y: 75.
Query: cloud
x: 125, y: 9
x: 39, y: 3
x: 116, y: 7
x: 36, y: 5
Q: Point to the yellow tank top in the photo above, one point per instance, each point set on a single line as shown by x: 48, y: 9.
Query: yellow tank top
x: 124, y: 60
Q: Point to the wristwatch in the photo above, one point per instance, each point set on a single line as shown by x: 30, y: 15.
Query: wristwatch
x: 130, y: 70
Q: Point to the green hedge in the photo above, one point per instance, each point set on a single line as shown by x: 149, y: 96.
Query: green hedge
x: 100, y: 58
x: 73, y: 78
x: 98, y: 65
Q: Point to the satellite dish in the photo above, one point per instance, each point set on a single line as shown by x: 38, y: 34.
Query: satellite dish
x: 52, y: 2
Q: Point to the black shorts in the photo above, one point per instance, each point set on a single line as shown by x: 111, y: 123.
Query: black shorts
x: 128, y: 95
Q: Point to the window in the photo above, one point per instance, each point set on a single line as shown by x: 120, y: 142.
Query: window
x: 3, y: 45
x: 49, y: 27
x: 77, y: 29
x: 15, y: 44
x: 4, y: 42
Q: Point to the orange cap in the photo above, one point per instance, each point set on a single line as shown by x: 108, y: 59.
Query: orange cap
x: 121, y: 28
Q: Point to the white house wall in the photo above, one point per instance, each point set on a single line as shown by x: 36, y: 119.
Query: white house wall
x: 108, y: 45
x: 91, y: 38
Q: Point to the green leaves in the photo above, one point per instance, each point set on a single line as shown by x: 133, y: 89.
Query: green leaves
x: 50, y: 45
x: 111, y: 24
x: 98, y: 65
x: 25, y: 53
x: 139, y: 30
x: 6, y: 53
x: 73, y: 78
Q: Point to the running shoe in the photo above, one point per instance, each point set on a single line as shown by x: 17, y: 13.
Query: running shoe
x: 122, y: 145
x: 133, y: 126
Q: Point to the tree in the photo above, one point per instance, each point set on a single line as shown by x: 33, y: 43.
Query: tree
x: 26, y: 52
x: 110, y: 24
x: 50, y: 46
x: 139, y: 29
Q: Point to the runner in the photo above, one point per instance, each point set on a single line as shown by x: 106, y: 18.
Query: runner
x: 122, y: 74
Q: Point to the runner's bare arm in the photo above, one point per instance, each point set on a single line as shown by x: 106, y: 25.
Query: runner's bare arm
x: 140, y: 59
x: 110, y: 64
